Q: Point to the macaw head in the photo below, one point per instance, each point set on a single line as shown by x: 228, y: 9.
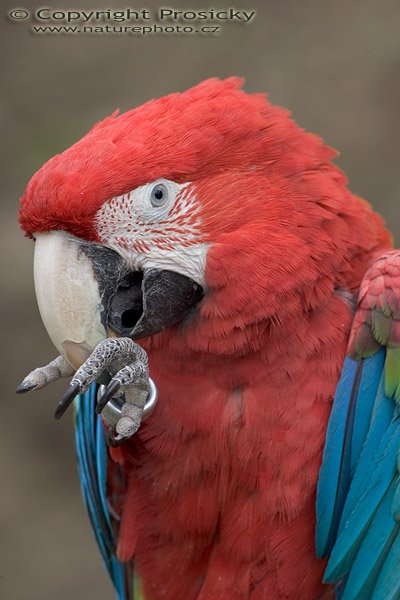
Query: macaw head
x: 210, y: 202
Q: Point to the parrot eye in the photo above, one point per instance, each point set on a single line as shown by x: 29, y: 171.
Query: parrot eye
x: 158, y: 195
x: 153, y: 201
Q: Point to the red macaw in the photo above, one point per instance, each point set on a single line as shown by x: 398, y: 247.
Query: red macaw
x: 212, y: 229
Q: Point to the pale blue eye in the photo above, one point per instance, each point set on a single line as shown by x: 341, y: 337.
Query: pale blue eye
x: 159, y: 195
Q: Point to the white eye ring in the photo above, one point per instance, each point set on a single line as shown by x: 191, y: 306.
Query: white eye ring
x: 159, y: 195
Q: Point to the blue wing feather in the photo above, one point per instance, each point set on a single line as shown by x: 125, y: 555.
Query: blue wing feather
x: 382, y: 416
x: 370, y: 557
x: 92, y: 466
x: 377, y: 477
x: 387, y: 586
x: 346, y: 426
x: 358, y: 493
x: 367, y: 390
x: 330, y: 485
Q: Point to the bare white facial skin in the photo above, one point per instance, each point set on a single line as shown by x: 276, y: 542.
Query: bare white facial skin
x: 68, y: 296
x: 153, y: 230
x: 154, y: 226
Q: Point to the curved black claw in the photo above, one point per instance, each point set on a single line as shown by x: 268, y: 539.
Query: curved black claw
x: 114, y: 439
x: 72, y: 391
x: 25, y: 387
x: 110, y: 391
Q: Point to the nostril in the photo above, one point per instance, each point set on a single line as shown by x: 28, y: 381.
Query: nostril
x: 132, y: 279
x: 126, y: 305
x: 130, y: 317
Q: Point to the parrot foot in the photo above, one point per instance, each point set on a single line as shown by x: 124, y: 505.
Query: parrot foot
x: 42, y: 376
x: 123, y: 418
x: 131, y: 382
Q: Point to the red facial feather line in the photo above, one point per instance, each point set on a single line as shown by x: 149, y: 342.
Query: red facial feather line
x: 123, y: 222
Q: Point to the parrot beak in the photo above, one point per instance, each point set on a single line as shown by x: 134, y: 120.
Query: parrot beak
x: 86, y: 292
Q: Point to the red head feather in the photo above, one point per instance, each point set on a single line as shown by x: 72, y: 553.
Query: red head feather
x: 211, y: 128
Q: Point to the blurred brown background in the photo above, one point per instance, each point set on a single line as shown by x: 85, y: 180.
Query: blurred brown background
x: 334, y: 64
